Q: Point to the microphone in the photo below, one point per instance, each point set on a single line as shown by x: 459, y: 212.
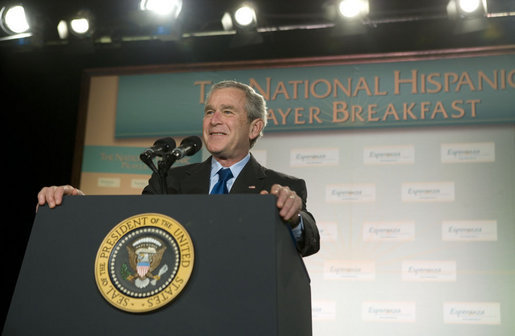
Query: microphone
x: 160, y: 147
x: 189, y: 146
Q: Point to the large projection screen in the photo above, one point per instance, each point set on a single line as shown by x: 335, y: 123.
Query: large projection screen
x: 409, y: 160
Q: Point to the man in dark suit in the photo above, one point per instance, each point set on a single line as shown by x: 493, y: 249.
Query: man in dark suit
x: 234, y: 118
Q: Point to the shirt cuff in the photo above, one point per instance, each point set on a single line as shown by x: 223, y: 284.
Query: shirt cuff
x: 298, y: 230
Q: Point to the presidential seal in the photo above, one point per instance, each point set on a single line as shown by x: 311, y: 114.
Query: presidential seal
x: 144, y: 262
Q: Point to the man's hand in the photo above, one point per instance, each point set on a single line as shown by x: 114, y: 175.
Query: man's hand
x: 53, y: 195
x: 288, y: 203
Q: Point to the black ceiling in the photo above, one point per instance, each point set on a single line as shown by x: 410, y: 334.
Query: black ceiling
x: 393, y: 25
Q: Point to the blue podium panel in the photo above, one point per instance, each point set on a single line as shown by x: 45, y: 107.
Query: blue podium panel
x: 246, y: 279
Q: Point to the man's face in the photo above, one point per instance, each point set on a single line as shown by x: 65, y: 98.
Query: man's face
x: 226, y: 129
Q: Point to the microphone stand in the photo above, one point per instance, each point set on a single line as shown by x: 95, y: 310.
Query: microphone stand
x: 166, y: 162
x: 147, y: 159
x: 162, y: 168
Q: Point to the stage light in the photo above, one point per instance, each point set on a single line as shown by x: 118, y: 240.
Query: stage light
x: 241, y: 18
x: 350, y: 17
x: 157, y: 19
x: 468, y: 15
x: 14, y: 20
x: 466, y: 8
x: 227, y: 22
x: 469, y: 6
x: 81, y: 25
x: 245, y: 16
x: 353, y: 8
x: 62, y: 30
x: 162, y: 7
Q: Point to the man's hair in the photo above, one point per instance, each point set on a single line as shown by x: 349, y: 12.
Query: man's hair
x: 255, y: 104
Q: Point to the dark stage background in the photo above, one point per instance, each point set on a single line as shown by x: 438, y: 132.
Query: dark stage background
x: 41, y: 86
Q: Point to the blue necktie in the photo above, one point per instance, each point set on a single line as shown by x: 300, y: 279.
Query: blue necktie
x: 221, y: 186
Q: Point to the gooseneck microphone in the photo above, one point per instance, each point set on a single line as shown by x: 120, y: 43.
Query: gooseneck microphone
x: 188, y: 147
x: 166, y: 149
x: 160, y: 147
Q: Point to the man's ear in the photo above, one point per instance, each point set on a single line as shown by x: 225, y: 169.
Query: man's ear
x: 256, y: 126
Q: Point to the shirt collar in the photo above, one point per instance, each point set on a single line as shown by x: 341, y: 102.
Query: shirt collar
x: 235, y: 168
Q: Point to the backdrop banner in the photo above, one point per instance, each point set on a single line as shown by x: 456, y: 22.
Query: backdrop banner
x: 333, y: 96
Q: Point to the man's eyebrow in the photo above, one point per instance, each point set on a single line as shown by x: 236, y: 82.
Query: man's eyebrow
x: 223, y: 107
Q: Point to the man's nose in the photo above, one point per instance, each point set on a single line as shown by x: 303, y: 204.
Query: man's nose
x: 216, y: 117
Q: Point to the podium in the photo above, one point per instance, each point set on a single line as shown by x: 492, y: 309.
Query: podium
x: 247, y: 277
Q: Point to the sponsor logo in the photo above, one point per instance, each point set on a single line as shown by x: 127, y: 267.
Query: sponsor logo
x: 109, y: 182
x: 144, y: 262
x: 474, y: 230
x: 343, y: 193
x: 468, y: 152
x: 472, y: 312
x: 314, y: 157
x: 349, y: 270
x: 428, y: 192
x: 429, y: 270
x: 388, y: 231
x: 386, y: 311
x: 389, y: 155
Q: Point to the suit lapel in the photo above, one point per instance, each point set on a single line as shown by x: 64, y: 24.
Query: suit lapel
x: 196, y: 180
x: 251, y: 178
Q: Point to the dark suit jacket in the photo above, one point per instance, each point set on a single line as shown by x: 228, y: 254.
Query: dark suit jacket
x: 194, y: 179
